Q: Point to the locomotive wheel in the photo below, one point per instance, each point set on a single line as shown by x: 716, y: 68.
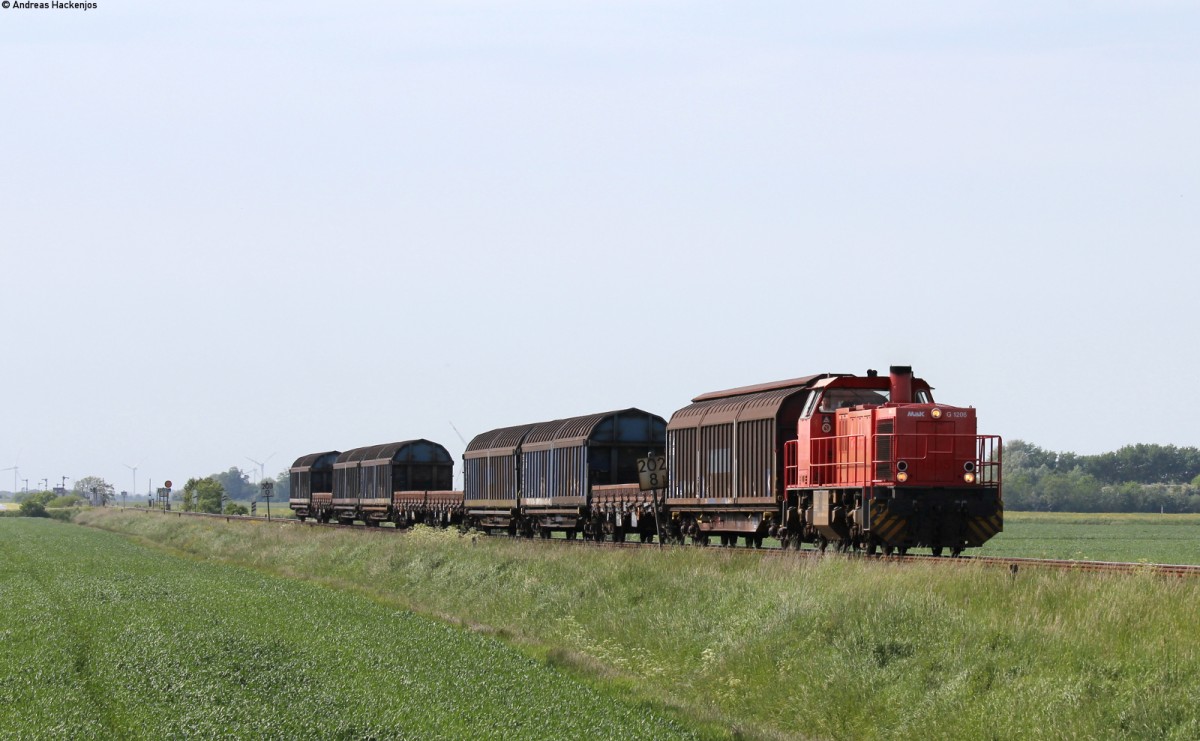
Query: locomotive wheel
x: 903, y: 550
x: 887, y: 550
x: 937, y: 550
x: 956, y: 552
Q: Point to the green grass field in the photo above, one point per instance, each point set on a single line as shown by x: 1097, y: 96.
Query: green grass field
x: 1098, y: 537
x: 104, y: 638
x: 775, y: 646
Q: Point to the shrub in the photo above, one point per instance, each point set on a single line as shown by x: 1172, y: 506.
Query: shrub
x: 33, y: 508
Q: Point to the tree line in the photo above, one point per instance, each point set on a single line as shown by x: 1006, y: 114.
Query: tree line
x: 1135, y: 478
x: 202, y: 494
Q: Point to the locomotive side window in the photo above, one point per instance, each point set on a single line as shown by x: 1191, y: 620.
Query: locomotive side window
x: 810, y: 405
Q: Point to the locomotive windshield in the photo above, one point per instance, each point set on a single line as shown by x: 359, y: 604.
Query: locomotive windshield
x: 839, y: 398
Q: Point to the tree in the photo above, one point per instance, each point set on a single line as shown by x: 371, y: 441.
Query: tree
x: 94, y: 487
x: 203, y: 495
x: 236, y: 483
x: 283, y: 487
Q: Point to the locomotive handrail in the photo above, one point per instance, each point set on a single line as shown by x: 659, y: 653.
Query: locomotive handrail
x: 869, y: 460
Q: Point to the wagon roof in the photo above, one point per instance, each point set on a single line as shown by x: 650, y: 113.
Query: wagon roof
x: 803, y: 382
x: 389, y: 452
x: 761, y: 401
x: 306, y: 462
x: 574, y: 431
x: 557, y: 433
x: 495, y: 443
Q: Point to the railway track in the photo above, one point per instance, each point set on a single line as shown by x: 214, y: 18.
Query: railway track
x: 1013, y: 564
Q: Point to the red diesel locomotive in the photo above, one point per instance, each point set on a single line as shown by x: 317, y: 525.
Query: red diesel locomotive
x: 877, y: 463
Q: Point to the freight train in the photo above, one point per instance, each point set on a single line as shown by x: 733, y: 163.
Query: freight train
x: 868, y: 463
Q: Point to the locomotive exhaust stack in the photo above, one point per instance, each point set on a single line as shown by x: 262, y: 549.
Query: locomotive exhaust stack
x: 902, y: 378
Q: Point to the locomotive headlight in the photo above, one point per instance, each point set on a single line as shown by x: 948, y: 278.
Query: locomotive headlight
x: 969, y: 477
x: 935, y: 413
x: 902, y: 477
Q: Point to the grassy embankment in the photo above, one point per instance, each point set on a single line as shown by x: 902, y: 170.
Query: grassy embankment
x: 779, y: 646
x: 106, y: 638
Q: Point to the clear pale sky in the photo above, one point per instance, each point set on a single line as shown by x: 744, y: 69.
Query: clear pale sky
x: 258, y: 230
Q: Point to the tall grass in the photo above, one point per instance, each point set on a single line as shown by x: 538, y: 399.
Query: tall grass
x: 779, y: 646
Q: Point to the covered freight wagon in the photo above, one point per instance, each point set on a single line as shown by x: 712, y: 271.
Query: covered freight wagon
x: 538, y: 478
x: 366, y: 479
x: 725, y: 462
x: 311, y: 478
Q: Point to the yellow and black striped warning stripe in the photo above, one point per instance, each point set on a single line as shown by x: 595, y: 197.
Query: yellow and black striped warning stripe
x: 885, y: 525
x: 983, y: 528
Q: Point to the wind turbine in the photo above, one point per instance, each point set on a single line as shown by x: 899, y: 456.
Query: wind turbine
x: 16, y: 472
x: 133, y: 468
x: 262, y: 471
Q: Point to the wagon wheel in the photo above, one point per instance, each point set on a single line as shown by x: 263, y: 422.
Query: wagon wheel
x: 822, y: 543
x: 888, y: 549
x: 870, y: 546
x: 956, y: 552
x: 936, y: 550
x: 903, y: 550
